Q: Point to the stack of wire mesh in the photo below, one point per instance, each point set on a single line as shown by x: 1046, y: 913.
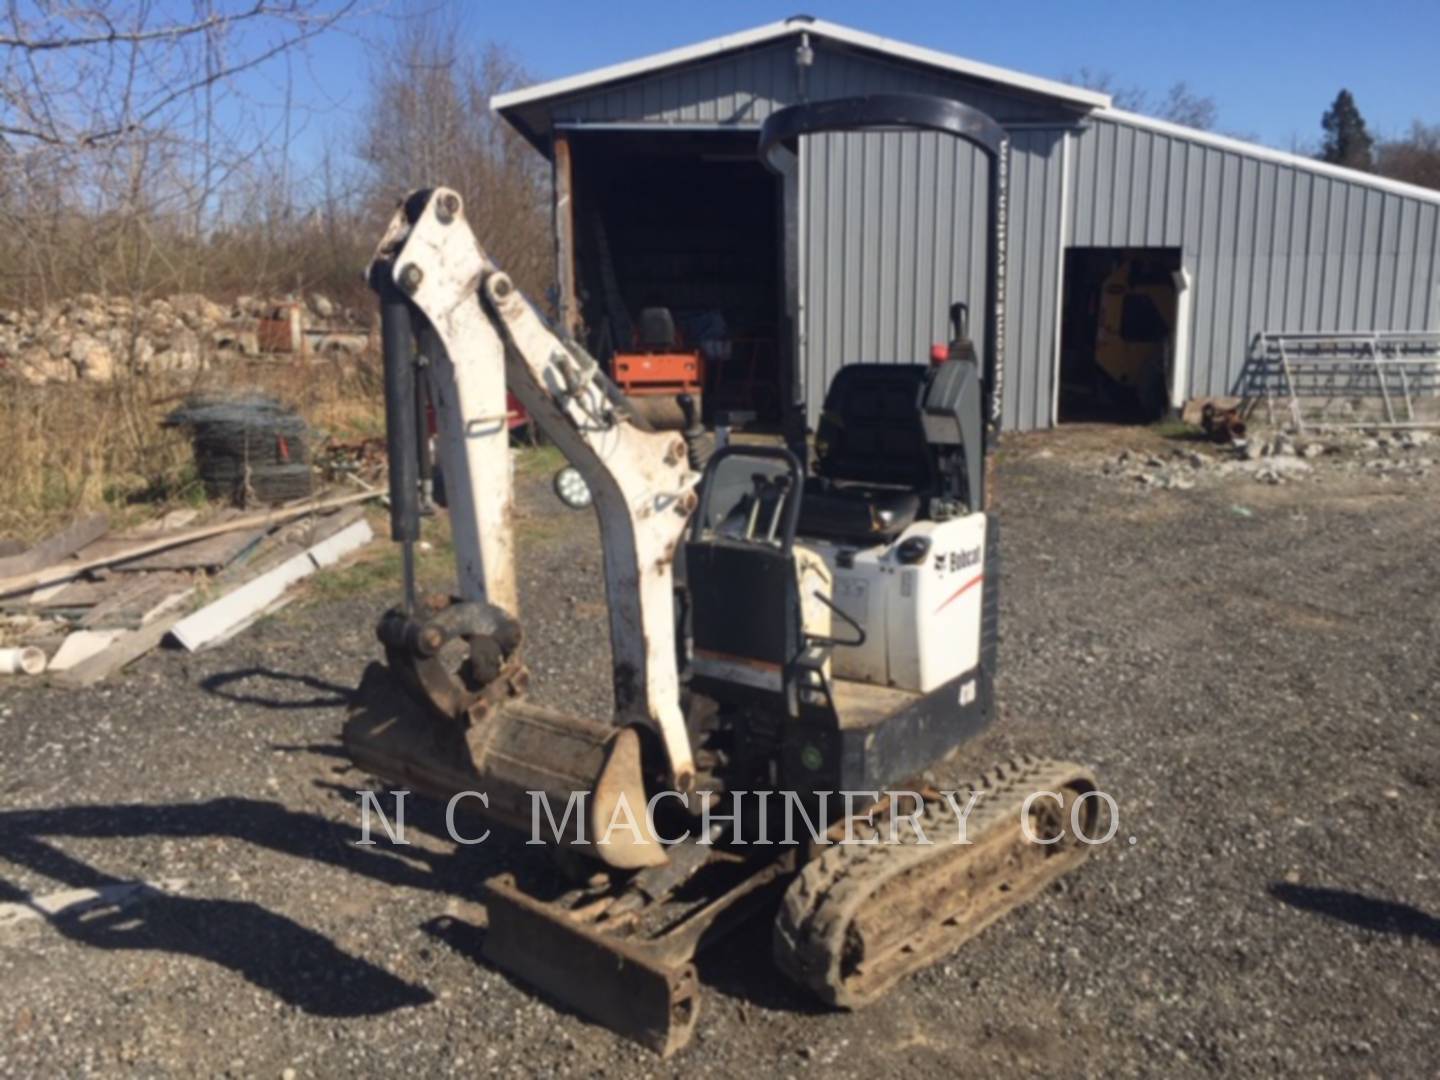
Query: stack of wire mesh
x: 249, y: 448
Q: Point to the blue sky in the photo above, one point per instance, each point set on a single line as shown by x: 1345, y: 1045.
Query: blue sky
x: 1272, y: 66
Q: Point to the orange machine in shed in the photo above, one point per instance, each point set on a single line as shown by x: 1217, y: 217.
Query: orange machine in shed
x: 660, y: 369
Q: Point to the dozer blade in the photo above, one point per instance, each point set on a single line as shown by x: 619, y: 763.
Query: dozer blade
x: 863, y: 915
x: 603, y: 978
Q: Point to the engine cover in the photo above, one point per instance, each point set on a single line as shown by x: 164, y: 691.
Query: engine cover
x: 918, y: 599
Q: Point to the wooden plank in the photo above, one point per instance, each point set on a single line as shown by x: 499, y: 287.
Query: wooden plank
x: 308, y: 532
x: 565, y: 235
x: 54, y: 548
x: 125, y: 590
x: 284, y: 544
x: 128, y: 647
x: 77, y: 594
x: 210, y: 553
x: 37, y: 598
x: 81, y: 646
x: 39, y: 579
x: 223, y: 618
x: 150, y: 595
x: 332, y: 549
x: 168, y: 522
x: 271, y: 556
x: 116, y: 544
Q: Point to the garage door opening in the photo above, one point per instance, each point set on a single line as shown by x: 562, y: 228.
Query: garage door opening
x: 677, y: 252
x: 1117, y: 338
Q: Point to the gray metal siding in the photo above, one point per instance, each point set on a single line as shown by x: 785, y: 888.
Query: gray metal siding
x: 895, y: 232
x: 841, y: 72
x: 894, y: 223
x: 744, y: 88
x: 1269, y: 246
x: 740, y: 88
x: 1033, y: 269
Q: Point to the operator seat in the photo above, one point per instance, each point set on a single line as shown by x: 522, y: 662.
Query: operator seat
x: 874, y: 466
x: 655, y: 331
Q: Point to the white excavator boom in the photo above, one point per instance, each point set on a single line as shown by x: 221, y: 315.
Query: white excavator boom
x: 483, y: 336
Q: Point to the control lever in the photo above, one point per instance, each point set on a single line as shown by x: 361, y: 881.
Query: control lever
x: 698, y: 444
x: 781, y: 487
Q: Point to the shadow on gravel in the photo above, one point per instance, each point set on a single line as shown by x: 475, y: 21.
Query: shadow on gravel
x: 740, y: 967
x: 268, y: 824
x: 1381, y: 916
x: 222, y: 684
x: 303, y: 968
x: 299, y: 965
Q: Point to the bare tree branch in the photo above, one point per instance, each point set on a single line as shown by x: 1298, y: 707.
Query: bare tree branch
x: 1179, y: 105
x: 79, y: 101
x: 112, y: 36
x: 124, y: 132
x: 211, y: 78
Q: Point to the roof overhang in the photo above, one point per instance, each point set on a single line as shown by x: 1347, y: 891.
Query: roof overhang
x: 1265, y: 153
x: 1073, y: 96
x: 526, y: 107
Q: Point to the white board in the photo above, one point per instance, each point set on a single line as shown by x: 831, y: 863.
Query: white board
x: 218, y: 621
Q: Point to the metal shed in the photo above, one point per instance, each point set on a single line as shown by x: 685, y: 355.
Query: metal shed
x: 659, y: 199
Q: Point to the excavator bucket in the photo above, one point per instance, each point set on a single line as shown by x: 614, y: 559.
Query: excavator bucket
x: 518, y: 754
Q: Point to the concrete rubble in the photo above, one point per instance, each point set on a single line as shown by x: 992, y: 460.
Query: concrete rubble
x: 1280, y: 457
x: 95, y: 339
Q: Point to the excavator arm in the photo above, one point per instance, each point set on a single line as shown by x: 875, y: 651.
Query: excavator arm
x: 452, y: 316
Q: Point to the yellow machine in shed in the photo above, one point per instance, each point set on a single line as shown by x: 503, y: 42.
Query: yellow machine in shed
x: 1135, y: 328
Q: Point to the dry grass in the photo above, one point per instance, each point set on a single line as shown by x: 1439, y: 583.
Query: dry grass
x: 79, y: 447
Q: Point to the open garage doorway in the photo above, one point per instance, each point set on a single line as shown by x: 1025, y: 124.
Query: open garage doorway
x: 1118, y: 333
x: 677, y: 254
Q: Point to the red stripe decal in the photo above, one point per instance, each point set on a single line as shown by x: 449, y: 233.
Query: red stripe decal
x: 961, y: 592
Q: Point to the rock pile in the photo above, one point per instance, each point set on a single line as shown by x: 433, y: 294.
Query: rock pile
x: 1176, y: 471
x: 94, y: 338
x: 1279, y: 457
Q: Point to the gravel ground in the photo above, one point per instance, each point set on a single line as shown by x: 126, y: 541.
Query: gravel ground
x: 1251, y: 669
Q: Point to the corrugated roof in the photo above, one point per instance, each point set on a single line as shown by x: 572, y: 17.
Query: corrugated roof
x: 914, y: 54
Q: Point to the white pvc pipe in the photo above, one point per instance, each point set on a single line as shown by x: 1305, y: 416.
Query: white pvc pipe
x: 1180, y: 343
x: 25, y: 659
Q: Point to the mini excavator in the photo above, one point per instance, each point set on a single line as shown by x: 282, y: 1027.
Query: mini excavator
x: 796, y: 628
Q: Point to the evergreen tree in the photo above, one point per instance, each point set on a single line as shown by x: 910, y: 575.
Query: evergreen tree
x: 1346, y: 140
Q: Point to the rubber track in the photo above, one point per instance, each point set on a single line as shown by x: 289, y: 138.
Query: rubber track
x: 826, y: 896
